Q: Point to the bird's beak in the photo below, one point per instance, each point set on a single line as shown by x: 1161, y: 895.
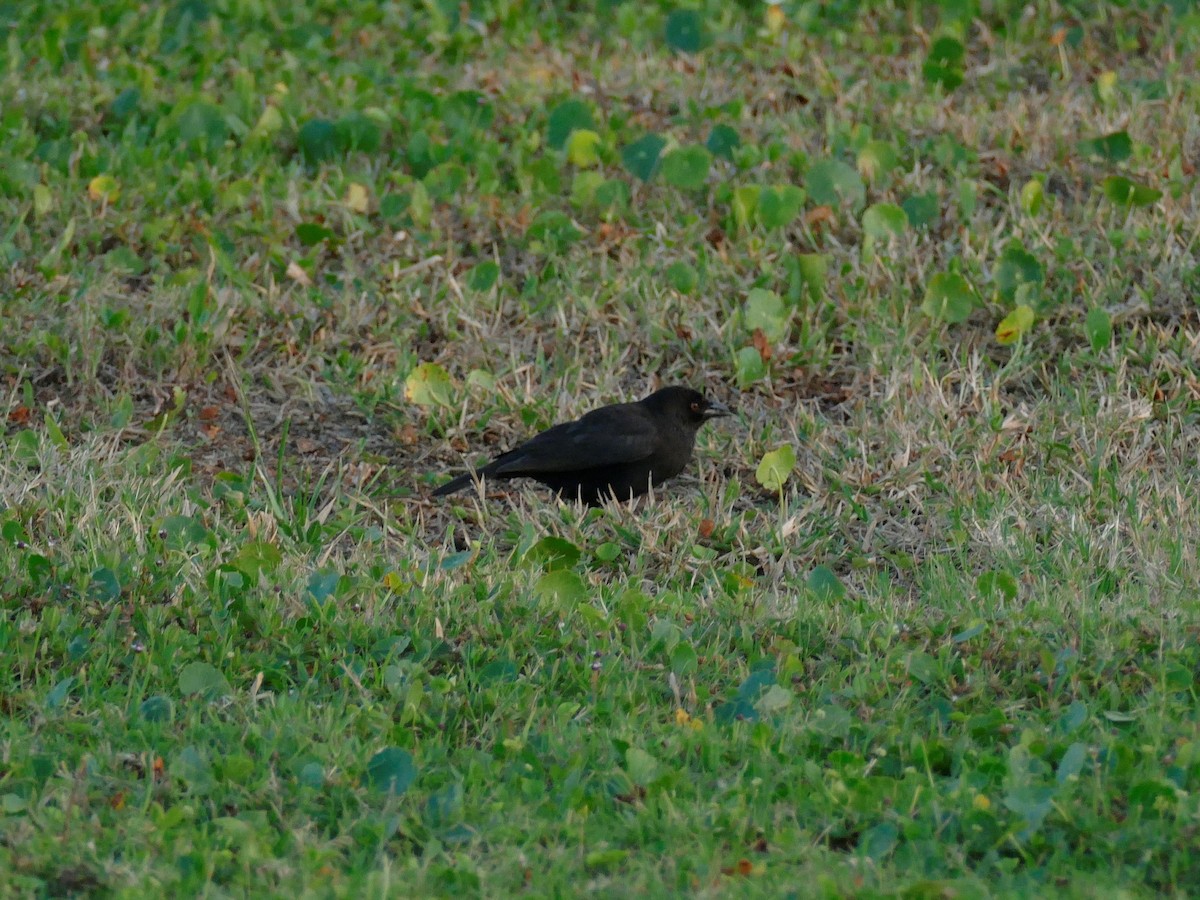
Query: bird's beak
x: 715, y: 410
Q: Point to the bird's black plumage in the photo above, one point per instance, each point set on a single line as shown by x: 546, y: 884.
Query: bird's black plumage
x: 615, y: 451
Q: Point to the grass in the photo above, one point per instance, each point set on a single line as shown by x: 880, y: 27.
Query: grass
x: 271, y: 273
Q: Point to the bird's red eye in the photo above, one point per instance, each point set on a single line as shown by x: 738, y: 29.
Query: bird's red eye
x: 695, y: 406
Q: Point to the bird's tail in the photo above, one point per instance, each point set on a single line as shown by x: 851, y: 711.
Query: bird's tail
x: 456, y: 484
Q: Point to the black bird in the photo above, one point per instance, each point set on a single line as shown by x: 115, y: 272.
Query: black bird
x: 615, y: 451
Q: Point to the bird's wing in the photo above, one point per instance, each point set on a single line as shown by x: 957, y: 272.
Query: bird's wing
x: 604, y: 437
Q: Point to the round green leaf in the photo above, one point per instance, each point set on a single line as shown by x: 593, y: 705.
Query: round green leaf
x: 944, y: 64
x: 745, y: 204
x: 1098, y: 327
x: 483, y: 276
x: 642, y: 156
x: 428, y: 385
x: 1124, y: 192
x: 766, y: 310
x: 921, y: 209
x: 391, y: 771
x: 358, y: 131
x: 1115, y: 147
x: 876, y: 158
x: 778, y: 207
x: 552, y: 553
x: 683, y: 277
x: 202, y: 678
x: 749, y: 367
x: 317, y: 140
x: 562, y: 587
x: 565, y: 118
x: 882, y: 221
x: 1033, y: 197
x: 775, y: 467
x: 722, y: 141
x: 825, y: 584
x: 687, y: 167
x: 1017, y: 267
x: 949, y: 298
x: 1015, y: 325
x: 685, y: 32
x: 554, y: 230
x: 831, y: 182
x: 581, y: 148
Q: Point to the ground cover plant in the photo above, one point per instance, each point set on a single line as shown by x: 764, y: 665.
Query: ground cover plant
x: 920, y: 619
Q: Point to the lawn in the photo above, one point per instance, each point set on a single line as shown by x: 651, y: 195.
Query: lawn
x: 921, y: 619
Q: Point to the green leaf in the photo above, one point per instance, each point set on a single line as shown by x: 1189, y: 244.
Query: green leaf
x: 921, y: 209
x: 831, y: 182
x: 552, y: 553
x: 202, y: 124
x: 775, y: 467
x: 766, y: 310
x: 683, y: 658
x: 1017, y: 267
x: 202, y: 678
x: 358, y: 131
x: 883, y: 221
x: 1071, y: 763
x: 687, y: 167
x: 323, y: 585
x: 825, y: 585
x: 641, y: 157
x: 391, y: 771
x: 428, y: 384
x: 1015, y: 325
x: 561, y: 587
x: 156, y: 709
x: 554, y: 230
x: 749, y: 367
x: 581, y: 148
x: 104, y: 586
x: 568, y: 116
x: 257, y: 557
x: 684, y: 31
x: 945, y: 63
x: 482, y: 277
x: 997, y: 583
x: 876, y: 158
x: 778, y: 207
x: 1124, y: 192
x: 949, y: 298
x: 445, y: 181
x: 745, y: 204
x: 722, y: 141
x: 1098, y: 328
x: 812, y: 270
x: 683, y: 277
x: 1033, y: 197
x: 317, y: 140
x: 879, y: 841
x: 774, y: 699
x: 310, y: 233
x: 1115, y: 147
x: 641, y: 766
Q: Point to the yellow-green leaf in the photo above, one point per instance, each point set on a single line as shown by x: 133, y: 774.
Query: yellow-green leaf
x: 775, y: 467
x: 357, y: 198
x: 428, y: 385
x: 104, y: 188
x: 1015, y: 324
x: 43, y: 200
x: 581, y: 148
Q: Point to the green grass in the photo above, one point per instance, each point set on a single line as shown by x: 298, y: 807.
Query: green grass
x: 271, y: 273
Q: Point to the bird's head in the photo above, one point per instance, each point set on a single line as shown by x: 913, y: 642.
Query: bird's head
x: 686, y: 404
